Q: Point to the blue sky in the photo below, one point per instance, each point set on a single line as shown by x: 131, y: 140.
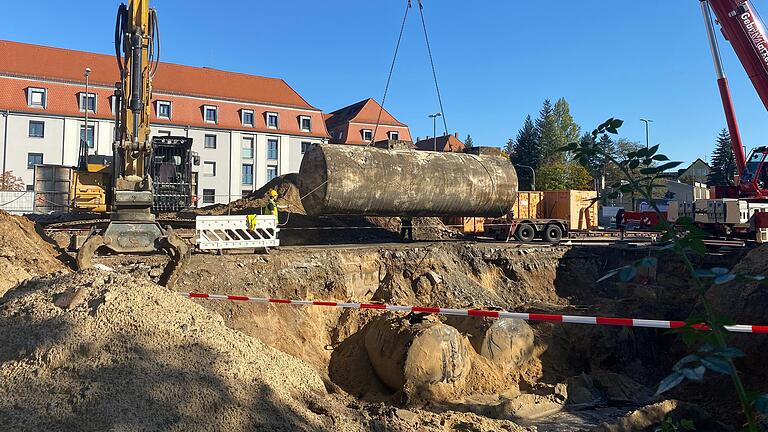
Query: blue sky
x: 496, y: 60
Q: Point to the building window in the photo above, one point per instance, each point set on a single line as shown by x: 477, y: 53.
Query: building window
x: 210, y: 142
x: 305, y: 146
x: 306, y: 123
x: 90, y: 137
x: 245, y: 192
x: 247, y: 147
x: 36, y: 129
x: 247, y: 174
x: 34, y: 159
x: 272, y: 120
x: 164, y: 109
x: 164, y: 133
x: 209, y: 196
x: 272, y: 149
x: 247, y: 117
x: 271, y: 172
x: 30, y: 188
x: 367, y: 134
x: 209, y: 169
x: 37, y: 97
x: 88, y: 101
x: 394, y: 135
x: 211, y: 113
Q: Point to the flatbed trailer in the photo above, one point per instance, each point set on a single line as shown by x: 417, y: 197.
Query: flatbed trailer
x: 527, y: 230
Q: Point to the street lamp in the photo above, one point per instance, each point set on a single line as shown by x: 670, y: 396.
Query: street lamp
x: 647, y: 135
x: 533, y: 175
x: 434, y: 128
x: 83, y: 162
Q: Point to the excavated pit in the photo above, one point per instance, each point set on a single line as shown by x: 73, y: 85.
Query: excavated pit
x: 356, y: 369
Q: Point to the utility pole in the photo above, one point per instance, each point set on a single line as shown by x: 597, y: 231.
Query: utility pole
x: 647, y: 134
x: 434, y: 128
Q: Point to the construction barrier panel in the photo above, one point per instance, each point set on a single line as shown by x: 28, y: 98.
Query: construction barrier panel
x: 236, y: 232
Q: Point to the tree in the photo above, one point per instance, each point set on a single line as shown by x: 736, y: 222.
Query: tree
x: 723, y: 165
x: 568, y: 130
x: 556, y: 175
x: 468, y: 143
x: 10, y: 182
x: 526, y: 151
x: 549, y: 133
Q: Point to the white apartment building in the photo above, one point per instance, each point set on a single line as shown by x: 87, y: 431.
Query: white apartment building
x: 247, y: 129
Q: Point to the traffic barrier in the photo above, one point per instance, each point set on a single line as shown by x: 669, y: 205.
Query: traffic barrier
x: 566, y: 319
x: 234, y: 232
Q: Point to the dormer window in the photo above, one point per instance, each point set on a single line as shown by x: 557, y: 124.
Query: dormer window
x: 394, y: 135
x: 37, y: 97
x: 247, y: 117
x: 88, y: 101
x: 211, y: 113
x: 367, y: 135
x: 164, y: 109
x: 305, y: 122
x: 272, y: 120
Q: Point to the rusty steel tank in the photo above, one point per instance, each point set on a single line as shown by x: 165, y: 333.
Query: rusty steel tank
x: 365, y: 180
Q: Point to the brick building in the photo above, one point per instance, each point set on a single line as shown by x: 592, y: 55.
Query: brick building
x: 247, y: 129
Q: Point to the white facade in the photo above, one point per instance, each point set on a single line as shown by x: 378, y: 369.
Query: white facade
x: 60, y: 145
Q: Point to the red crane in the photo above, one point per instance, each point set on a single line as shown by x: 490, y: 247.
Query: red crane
x: 744, y: 30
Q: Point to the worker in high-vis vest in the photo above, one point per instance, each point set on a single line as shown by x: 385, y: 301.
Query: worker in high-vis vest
x: 271, y: 203
x: 269, y: 209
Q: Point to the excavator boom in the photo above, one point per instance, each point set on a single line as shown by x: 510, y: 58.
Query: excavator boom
x: 132, y: 227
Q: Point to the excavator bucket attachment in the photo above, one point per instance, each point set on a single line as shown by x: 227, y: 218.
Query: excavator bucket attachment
x: 138, y: 237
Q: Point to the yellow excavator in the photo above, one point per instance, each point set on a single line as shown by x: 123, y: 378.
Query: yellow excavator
x: 132, y: 227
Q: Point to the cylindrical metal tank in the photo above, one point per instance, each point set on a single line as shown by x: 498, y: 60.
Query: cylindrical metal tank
x: 362, y: 180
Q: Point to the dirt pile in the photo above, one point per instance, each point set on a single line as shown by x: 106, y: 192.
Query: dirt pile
x: 105, y: 351
x: 288, y: 199
x: 23, y: 252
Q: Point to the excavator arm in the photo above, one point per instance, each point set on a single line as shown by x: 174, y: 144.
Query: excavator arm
x: 132, y: 227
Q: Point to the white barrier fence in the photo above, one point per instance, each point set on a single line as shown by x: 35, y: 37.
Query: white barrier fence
x: 17, y: 202
x: 233, y: 232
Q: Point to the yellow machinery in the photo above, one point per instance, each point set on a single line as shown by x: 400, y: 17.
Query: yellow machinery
x: 132, y: 227
x: 89, y: 188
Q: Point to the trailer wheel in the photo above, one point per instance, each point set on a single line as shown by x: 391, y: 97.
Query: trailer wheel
x: 525, y: 233
x: 553, y: 233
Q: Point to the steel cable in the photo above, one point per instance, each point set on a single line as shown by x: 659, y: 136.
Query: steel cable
x: 391, y: 70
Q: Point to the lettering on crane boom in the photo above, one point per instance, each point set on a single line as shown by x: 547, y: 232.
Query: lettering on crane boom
x: 753, y: 30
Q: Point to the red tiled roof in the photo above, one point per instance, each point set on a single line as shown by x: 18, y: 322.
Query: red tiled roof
x: 38, y: 61
x: 365, y: 111
x: 186, y: 110
x: 353, y: 119
x: 445, y: 143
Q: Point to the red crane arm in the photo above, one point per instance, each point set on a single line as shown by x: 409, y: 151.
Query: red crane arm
x: 743, y: 28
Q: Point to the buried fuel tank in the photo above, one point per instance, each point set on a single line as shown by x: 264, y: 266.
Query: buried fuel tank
x: 364, y: 180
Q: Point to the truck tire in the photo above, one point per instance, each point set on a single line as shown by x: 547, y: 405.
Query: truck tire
x: 525, y: 233
x: 553, y: 233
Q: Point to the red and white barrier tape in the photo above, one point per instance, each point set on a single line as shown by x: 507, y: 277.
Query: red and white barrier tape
x: 571, y: 319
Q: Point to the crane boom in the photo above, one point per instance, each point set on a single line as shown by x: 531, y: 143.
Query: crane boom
x: 746, y: 33
x: 743, y: 29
